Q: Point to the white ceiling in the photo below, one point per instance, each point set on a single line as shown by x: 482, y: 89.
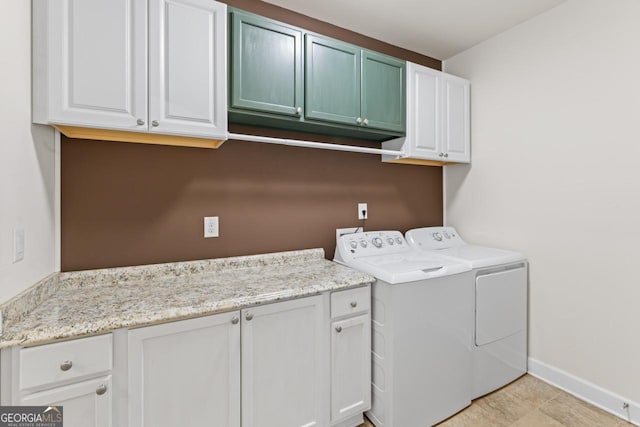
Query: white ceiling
x: 437, y: 28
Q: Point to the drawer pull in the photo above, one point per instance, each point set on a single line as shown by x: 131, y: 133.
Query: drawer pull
x: 354, y: 304
x: 338, y: 329
x: 249, y: 316
x: 235, y: 320
x: 66, y: 365
x: 102, y: 389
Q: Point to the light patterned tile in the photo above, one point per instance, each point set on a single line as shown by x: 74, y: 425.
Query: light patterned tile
x: 474, y: 416
x: 532, y: 390
x: 573, y: 412
x: 536, y: 419
x: 505, y: 405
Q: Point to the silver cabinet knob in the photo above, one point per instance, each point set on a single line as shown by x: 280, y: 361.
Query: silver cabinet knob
x: 66, y: 365
x: 441, y: 154
x: 365, y: 122
x: 338, y: 329
x: 235, y: 320
x: 299, y: 111
x: 446, y: 154
x: 102, y: 389
x: 140, y: 122
x: 359, y: 120
x: 354, y: 304
x: 155, y: 124
x: 249, y: 316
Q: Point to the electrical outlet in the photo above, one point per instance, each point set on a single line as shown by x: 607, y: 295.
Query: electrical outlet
x: 18, y: 244
x: 362, y: 211
x: 211, y: 226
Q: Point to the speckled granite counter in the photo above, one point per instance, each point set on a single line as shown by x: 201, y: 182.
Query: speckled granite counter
x: 84, y: 303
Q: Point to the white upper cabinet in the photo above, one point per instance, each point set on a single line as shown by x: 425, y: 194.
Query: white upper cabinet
x: 438, y: 124
x: 187, y: 48
x: 90, y: 62
x: 147, y: 66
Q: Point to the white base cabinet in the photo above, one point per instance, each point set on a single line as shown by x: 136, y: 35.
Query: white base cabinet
x: 186, y: 373
x: 285, y: 364
x: 302, y: 362
x: 438, y: 119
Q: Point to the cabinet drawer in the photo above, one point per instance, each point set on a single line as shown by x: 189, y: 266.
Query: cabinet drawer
x: 52, y: 363
x: 353, y: 301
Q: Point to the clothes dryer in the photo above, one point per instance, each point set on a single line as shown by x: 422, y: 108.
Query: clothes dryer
x: 500, y: 304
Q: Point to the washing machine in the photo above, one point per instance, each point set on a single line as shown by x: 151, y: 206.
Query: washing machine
x: 422, y: 308
x: 500, y: 312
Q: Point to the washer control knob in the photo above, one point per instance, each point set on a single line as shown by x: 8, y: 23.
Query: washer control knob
x: 390, y: 240
x: 377, y: 242
x: 353, y: 244
x: 437, y: 236
x: 446, y: 235
x: 398, y: 240
x: 363, y: 243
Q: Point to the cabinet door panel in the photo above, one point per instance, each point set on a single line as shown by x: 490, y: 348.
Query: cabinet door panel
x: 82, y: 406
x: 426, y: 118
x: 97, y: 63
x: 284, y: 370
x: 383, y: 91
x: 187, y: 60
x: 350, y: 367
x: 267, y: 65
x: 457, y: 135
x: 332, y: 80
x: 185, y: 373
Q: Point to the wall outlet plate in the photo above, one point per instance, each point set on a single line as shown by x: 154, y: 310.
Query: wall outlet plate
x: 211, y: 226
x: 18, y: 244
x: 363, y: 212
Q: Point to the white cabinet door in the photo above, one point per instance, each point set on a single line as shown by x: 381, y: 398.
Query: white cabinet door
x: 85, y: 404
x: 186, y: 373
x: 285, y: 365
x: 350, y: 367
x: 456, y: 138
x: 424, y: 113
x: 187, y: 68
x: 92, y: 63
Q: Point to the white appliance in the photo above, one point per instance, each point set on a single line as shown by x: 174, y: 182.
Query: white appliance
x: 421, y: 329
x: 500, y: 324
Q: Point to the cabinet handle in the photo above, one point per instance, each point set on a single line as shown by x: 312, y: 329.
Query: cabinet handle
x: 365, y: 122
x: 359, y: 120
x: 102, y: 389
x: 298, y: 111
x: 338, y: 329
x: 249, y: 316
x: 140, y: 122
x: 66, y: 365
x: 155, y: 124
x: 446, y: 154
x: 354, y: 304
x: 235, y: 320
x: 441, y: 154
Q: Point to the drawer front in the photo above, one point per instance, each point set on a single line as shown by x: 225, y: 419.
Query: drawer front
x: 52, y: 363
x: 349, y: 302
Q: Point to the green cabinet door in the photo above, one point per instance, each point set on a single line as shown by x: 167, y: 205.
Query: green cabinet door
x: 383, y: 92
x: 266, y: 72
x: 332, y: 80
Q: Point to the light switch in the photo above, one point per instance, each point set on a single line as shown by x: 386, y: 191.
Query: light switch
x: 18, y: 244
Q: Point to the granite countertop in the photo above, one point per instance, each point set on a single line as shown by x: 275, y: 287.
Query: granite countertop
x: 67, y: 305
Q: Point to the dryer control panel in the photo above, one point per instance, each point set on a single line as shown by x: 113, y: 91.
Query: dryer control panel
x: 369, y: 243
x: 434, y: 237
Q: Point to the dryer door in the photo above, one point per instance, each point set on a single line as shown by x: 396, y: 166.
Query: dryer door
x: 501, y: 305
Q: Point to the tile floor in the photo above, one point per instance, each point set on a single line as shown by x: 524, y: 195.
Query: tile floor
x: 529, y: 402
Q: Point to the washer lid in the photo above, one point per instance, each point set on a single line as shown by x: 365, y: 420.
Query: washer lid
x: 480, y: 256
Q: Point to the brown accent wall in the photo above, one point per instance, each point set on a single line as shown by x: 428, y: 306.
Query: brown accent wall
x: 129, y: 204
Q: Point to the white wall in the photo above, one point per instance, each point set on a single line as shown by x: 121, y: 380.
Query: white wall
x: 26, y: 160
x: 556, y: 175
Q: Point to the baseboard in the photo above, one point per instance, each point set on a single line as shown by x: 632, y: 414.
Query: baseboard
x: 584, y: 390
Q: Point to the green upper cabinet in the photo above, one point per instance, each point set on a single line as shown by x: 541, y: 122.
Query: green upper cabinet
x: 266, y: 73
x: 383, y: 91
x: 332, y: 80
